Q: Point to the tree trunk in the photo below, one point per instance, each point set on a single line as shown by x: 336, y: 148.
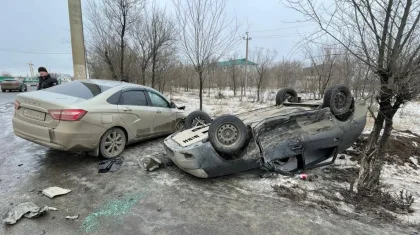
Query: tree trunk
x: 200, y: 76
x: 188, y: 81
x: 372, y: 161
x: 209, y: 87
x: 234, y: 87
x: 110, y: 65
x: 143, y: 74
x: 258, y: 93
x: 122, y: 57
x: 153, y: 70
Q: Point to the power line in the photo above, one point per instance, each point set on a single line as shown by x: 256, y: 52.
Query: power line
x: 279, y: 29
x: 285, y: 35
x: 36, y: 52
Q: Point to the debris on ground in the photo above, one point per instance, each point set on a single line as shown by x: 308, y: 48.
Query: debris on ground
x: 301, y: 176
x: 55, y: 191
x: 72, y: 217
x: 342, y: 157
x: 52, y: 209
x: 293, y: 193
x: 150, y: 163
x: 304, y: 176
x: 400, y: 148
x: 182, y: 200
x: 20, y: 164
x: 110, y: 165
x: 26, y: 209
x: 267, y: 174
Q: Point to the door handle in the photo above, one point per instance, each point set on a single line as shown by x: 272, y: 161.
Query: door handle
x: 337, y: 139
x: 158, y: 111
x: 126, y: 109
x: 296, y: 147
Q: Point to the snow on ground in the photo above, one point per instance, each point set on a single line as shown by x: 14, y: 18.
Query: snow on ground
x: 407, y: 118
x: 216, y: 106
x: 395, y: 177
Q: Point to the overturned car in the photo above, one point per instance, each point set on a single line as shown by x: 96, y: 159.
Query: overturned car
x: 287, y: 138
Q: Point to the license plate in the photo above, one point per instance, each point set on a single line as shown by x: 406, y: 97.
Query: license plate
x: 34, y: 114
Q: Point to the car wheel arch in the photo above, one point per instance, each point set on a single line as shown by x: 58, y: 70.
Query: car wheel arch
x: 116, y: 126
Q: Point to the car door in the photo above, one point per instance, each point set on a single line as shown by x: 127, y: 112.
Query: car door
x: 134, y: 110
x: 321, y: 135
x: 164, y: 121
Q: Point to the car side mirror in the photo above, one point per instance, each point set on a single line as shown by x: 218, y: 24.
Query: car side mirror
x: 173, y: 106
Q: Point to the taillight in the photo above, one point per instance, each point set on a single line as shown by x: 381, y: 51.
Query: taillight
x: 17, y: 105
x: 67, y: 114
x: 17, y: 83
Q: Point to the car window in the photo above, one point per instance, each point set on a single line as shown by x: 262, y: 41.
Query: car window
x: 84, y: 90
x: 137, y: 98
x: 158, y: 101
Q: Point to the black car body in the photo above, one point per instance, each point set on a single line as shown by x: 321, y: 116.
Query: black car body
x: 287, y: 138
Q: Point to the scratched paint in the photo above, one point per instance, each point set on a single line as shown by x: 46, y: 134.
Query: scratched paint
x: 112, y: 208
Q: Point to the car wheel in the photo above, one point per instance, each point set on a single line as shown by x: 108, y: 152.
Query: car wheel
x: 228, y: 134
x: 286, y: 94
x: 180, y: 125
x: 197, y: 118
x: 112, y: 143
x: 20, y: 89
x: 338, y: 98
x: 2, y: 90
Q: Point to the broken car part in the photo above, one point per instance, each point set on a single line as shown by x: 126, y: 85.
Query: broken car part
x: 110, y: 165
x: 26, y: 209
x: 51, y: 192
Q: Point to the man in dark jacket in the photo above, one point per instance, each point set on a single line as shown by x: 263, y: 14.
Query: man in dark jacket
x: 45, y: 80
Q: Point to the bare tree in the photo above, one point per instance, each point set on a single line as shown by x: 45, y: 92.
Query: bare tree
x: 206, y: 33
x: 100, y: 43
x: 287, y: 73
x: 323, y: 65
x: 234, y: 72
x: 108, y: 23
x: 151, y: 37
x: 384, y: 35
x: 122, y: 14
x: 264, y: 59
x: 6, y: 74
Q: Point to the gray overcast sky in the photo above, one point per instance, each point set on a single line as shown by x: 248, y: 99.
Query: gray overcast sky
x: 38, y: 31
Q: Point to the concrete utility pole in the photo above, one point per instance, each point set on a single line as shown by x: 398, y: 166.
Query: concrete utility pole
x: 77, y: 39
x: 247, y: 38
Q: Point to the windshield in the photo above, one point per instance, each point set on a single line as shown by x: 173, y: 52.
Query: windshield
x: 83, y: 90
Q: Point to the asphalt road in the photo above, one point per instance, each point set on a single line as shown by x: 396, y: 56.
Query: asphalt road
x: 132, y: 201
x: 7, y: 97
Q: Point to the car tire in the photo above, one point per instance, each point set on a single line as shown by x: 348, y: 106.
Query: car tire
x: 196, y: 118
x: 2, y: 90
x: 112, y: 143
x: 338, y: 98
x: 180, y: 125
x: 228, y: 134
x: 284, y: 94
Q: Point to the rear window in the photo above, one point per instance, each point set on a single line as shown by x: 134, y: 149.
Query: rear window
x: 83, y: 90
